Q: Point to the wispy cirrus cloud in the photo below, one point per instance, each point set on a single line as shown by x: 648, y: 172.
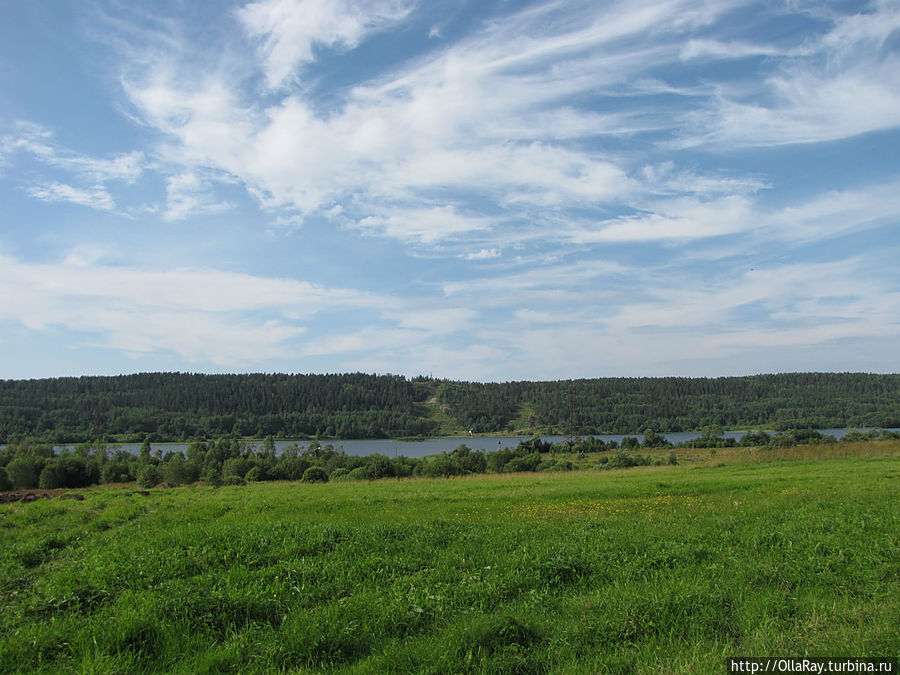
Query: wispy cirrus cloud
x: 685, y: 319
x: 424, y: 224
x: 289, y: 31
x: 681, y: 323
x: 816, y: 91
x: 482, y: 254
x: 835, y: 213
x: 199, y: 314
x: 714, y: 49
x: 94, y: 173
x: 189, y: 195
x: 832, y: 214
x: 679, y: 219
x: 496, y: 118
x: 95, y: 197
x: 482, y: 119
x: 38, y: 141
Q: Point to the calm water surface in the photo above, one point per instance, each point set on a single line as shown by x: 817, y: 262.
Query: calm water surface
x: 434, y: 446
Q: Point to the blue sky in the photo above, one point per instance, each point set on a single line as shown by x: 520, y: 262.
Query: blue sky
x: 474, y: 190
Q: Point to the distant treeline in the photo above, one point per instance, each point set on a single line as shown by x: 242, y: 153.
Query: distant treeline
x: 180, y: 406
x: 673, y: 404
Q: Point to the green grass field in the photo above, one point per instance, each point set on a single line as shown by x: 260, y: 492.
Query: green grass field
x: 664, y: 569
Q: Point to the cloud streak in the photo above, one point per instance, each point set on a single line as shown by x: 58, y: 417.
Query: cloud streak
x: 95, y: 197
x: 198, y: 314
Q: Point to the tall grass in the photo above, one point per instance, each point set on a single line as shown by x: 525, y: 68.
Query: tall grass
x: 649, y: 570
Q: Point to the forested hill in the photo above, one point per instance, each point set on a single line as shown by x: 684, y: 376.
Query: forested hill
x: 670, y: 404
x: 176, y: 406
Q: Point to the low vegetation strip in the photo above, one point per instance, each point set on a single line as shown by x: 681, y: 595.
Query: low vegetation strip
x: 667, y: 568
x: 28, y: 465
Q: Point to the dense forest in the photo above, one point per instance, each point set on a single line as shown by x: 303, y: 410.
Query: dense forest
x: 181, y: 406
x: 672, y: 404
x: 176, y: 406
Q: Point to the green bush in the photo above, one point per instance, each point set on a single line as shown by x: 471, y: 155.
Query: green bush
x: 254, y: 474
x: 49, y: 479
x: 5, y: 482
x: 22, y: 473
x: 315, y: 474
x: 73, y: 471
x: 233, y: 480
x: 148, y: 476
x: 404, y: 466
x: 213, y: 477
x: 236, y: 466
x: 116, y: 472
x: 380, y: 466
x: 291, y: 468
x: 654, y: 440
x: 178, y: 471
x: 439, y: 466
x: 360, y: 473
x: 530, y: 462
x: 470, y: 461
x: 339, y: 474
x: 624, y: 460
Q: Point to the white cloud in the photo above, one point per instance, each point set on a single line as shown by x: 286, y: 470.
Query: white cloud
x: 840, y: 290
x: 531, y: 316
x: 826, y: 216
x: 835, y: 213
x: 427, y: 225
x: 38, y: 141
x: 95, y: 197
x: 488, y: 117
x: 580, y: 282
x: 412, y: 329
x: 871, y: 28
x: 698, y: 49
x: 201, y: 315
x: 691, y: 325
x: 440, y: 321
x: 187, y: 195
x: 289, y: 31
x: 683, y: 219
x: 666, y: 178
x: 841, y: 85
x: 482, y: 254
x: 126, y: 167
x: 812, y: 108
x: 85, y: 255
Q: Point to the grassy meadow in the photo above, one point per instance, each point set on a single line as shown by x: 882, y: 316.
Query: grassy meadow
x: 664, y: 569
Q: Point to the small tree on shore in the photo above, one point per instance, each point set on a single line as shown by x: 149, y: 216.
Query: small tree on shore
x: 148, y: 476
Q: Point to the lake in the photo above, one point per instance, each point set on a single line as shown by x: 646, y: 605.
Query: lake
x: 434, y: 446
